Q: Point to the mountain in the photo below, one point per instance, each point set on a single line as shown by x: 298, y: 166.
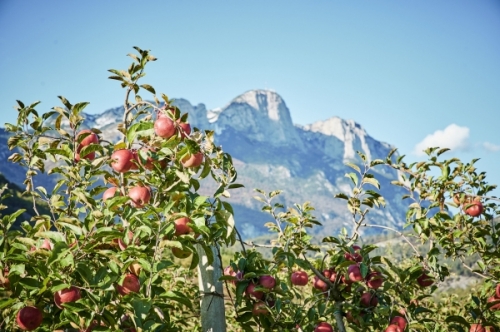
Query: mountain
x: 270, y: 152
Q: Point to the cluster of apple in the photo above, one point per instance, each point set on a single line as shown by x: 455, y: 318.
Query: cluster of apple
x: 471, y: 206
x: 258, y: 289
x: 368, y: 299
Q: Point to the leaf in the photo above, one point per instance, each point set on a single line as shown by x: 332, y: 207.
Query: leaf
x: 353, y: 177
x: 457, y: 319
x: 353, y: 166
x: 374, y: 182
x: 148, y: 88
x: 55, y: 236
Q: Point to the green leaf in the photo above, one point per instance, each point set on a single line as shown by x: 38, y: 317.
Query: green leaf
x: 457, y: 319
x: 353, y: 177
x: 353, y: 166
x: 148, y: 88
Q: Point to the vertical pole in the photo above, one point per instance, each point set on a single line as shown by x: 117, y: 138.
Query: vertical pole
x: 213, y: 317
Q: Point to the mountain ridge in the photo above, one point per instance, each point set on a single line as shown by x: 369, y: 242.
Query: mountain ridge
x: 271, y: 152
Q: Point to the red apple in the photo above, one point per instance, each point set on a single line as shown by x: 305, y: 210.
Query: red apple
x: 121, y: 244
x: 193, y: 160
x: 374, y: 280
x: 110, y: 192
x: 251, y: 292
x: 399, y: 321
x: 323, y: 327
x: 393, y: 328
x: 474, y: 208
x: 47, y: 245
x: 135, y: 160
x: 267, y: 282
x: 151, y: 161
x: 164, y: 126
x: 181, y: 226
x: 319, y: 284
x: 477, y: 328
x: 122, y: 160
x: 350, y: 318
x: 89, y: 156
x: 354, y: 273
x: 369, y: 300
x: 356, y: 256
x: 91, y: 138
x: 71, y: 294
x: 139, y: 196
x: 29, y: 318
x: 185, y: 129
x: 497, y: 291
x: 130, y: 284
x: 496, y: 306
x: 425, y: 280
x: 299, y: 278
x: 260, y: 308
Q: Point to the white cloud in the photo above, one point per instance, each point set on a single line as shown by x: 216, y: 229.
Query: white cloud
x: 453, y: 137
x: 491, y: 147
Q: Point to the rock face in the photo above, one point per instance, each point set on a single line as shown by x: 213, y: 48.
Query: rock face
x: 270, y: 152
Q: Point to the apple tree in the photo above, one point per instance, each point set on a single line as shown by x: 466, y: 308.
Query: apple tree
x: 340, y: 283
x: 122, y: 216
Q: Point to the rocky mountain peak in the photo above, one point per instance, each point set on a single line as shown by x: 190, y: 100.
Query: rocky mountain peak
x: 262, y: 115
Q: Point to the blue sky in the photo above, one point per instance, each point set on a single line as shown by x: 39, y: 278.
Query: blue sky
x: 410, y: 72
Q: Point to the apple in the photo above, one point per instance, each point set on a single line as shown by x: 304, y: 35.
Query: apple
x: 135, y: 160
x: 164, y: 126
x: 193, y: 160
x: 139, y: 196
x: 89, y: 156
x: 150, y: 160
x: 47, y: 245
x: 267, y: 282
x: 350, y: 318
x: 425, y: 280
x: 251, y: 292
x: 399, y: 321
x: 71, y: 294
x: 4, y: 279
x: 323, y: 327
x: 319, y: 284
x: 181, y: 226
x: 185, y: 129
x: 260, y: 308
x: 474, y: 208
x: 228, y: 271
x: 299, y: 278
x: 121, y: 244
x: 477, y: 328
x: 135, y: 268
x: 121, y: 160
x: 130, y: 284
x: 356, y: 256
x: 29, y: 318
x: 496, y: 306
x: 497, y: 291
x: 179, y: 253
x: 393, y: 328
x: 354, y: 273
x: 369, y: 300
x: 374, y: 280
x: 91, y: 138
x: 110, y: 192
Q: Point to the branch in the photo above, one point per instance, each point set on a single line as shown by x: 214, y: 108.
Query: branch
x: 398, y: 232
